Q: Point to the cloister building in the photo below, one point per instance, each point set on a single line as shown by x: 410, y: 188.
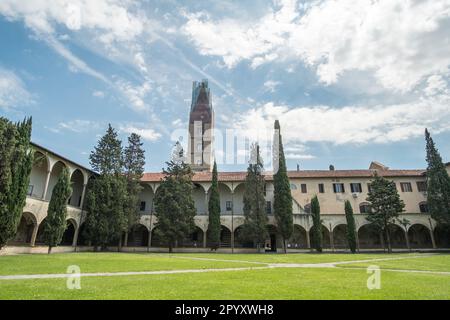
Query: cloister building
x: 333, y: 188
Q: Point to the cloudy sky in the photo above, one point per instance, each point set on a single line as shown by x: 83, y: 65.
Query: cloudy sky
x: 350, y: 81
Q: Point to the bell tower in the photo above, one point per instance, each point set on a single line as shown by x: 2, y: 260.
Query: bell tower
x: 201, y: 126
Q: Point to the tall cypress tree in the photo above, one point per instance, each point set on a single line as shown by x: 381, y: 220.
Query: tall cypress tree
x: 438, y: 184
x: 107, y: 195
x: 55, y: 222
x: 282, y: 203
x: 133, y: 163
x: 317, y: 224
x: 214, y: 211
x: 174, y: 206
x: 255, y: 224
x: 351, y: 228
x: 385, y: 205
x: 16, y: 162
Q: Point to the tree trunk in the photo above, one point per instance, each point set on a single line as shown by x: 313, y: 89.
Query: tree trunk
x: 388, y: 237
x: 170, y: 249
x: 284, y: 245
x: 49, y: 250
x: 119, y: 247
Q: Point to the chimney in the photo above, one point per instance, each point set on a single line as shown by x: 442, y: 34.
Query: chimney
x: 298, y: 167
x: 331, y: 167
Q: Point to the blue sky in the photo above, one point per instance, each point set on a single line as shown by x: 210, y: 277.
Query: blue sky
x: 350, y: 82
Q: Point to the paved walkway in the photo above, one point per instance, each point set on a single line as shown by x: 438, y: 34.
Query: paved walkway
x: 267, y: 265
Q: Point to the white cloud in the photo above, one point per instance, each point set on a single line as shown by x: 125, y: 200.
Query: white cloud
x: 12, y: 91
x: 347, y: 125
x: 135, y: 94
x: 435, y: 85
x: 400, y: 42
x: 146, y: 134
x: 271, y: 85
x: 98, y: 94
x: 76, y: 126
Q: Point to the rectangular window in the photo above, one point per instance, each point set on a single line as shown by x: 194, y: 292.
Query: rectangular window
x: 30, y: 190
x: 406, y: 186
x: 321, y: 188
x: 303, y: 187
x: 199, y: 147
x: 422, y: 186
x: 142, y: 206
x: 356, y: 187
x: 338, y: 188
x: 229, y: 205
x: 268, y: 207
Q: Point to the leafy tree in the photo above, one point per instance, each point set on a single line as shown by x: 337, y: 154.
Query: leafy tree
x: 386, y: 205
x: 174, y: 206
x: 133, y: 163
x: 55, y: 223
x: 106, y: 198
x: 351, y: 228
x: 255, y: 224
x: 282, y: 203
x: 438, y: 184
x: 107, y: 155
x: 317, y: 224
x: 16, y: 162
x: 214, y: 211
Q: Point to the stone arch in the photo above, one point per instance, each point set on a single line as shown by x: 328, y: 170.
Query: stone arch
x: 442, y: 236
x: 200, y: 199
x: 38, y: 176
x: 364, y: 207
x: 77, y: 183
x: 27, y: 225
x: 369, y: 237
x: 340, y: 236
x: 326, y: 243
x: 307, y: 208
x: 298, y: 239
x: 69, y: 233
x: 397, y: 236
x: 225, y: 197
x: 238, y: 199
x: 54, y: 175
x: 138, y: 236
x: 40, y: 232
x: 419, y: 236
x: 194, y: 239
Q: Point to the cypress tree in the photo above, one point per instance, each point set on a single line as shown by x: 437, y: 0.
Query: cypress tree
x: 438, y: 184
x: 133, y: 163
x: 317, y: 224
x: 255, y: 224
x: 351, y: 228
x: 16, y: 162
x: 282, y: 203
x: 214, y: 211
x: 107, y: 194
x: 385, y: 205
x: 55, y: 222
x: 174, y: 206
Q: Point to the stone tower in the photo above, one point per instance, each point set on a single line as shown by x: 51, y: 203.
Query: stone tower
x: 201, y: 126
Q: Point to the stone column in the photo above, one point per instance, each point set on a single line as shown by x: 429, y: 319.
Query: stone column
x: 33, y: 235
x: 75, y: 237
x: 331, y: 241
x: 432, y: 234
x: 204, y: 239
x: 232, y: 221
x: 83, y: 194
x: 357, y: 241
x: 407, y: 239
x: 206, y: 202
x: 47, y: 180
x: 149, y: 239
x: 308, y: 241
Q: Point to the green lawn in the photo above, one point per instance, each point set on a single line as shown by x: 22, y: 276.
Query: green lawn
x: 276, y: 283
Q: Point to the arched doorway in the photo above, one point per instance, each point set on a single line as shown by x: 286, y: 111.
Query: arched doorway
x: 271, y: 241
x: 194, y: 240
x: 40, y: 233
x: 340, y: 236
x: 76, y: 181
x: 298, y: 238
x: 442, y: 236
x: 56, y: 172
x: 69, y: 233
x: 369, y: 237
x: 419, y: 236
x: 241, y: 240
x: 25, y: 229
x: 397, y: 236
x: 325, y: 237
x: 225, y: 237
x: 138, y: 236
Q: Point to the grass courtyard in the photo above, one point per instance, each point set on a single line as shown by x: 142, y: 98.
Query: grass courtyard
x: 225, y: 276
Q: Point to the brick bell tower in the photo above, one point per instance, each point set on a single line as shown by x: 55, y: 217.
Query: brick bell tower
x: 201, y: 126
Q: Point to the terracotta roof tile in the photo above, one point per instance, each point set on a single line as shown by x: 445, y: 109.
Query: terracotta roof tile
x: 240, y: 176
